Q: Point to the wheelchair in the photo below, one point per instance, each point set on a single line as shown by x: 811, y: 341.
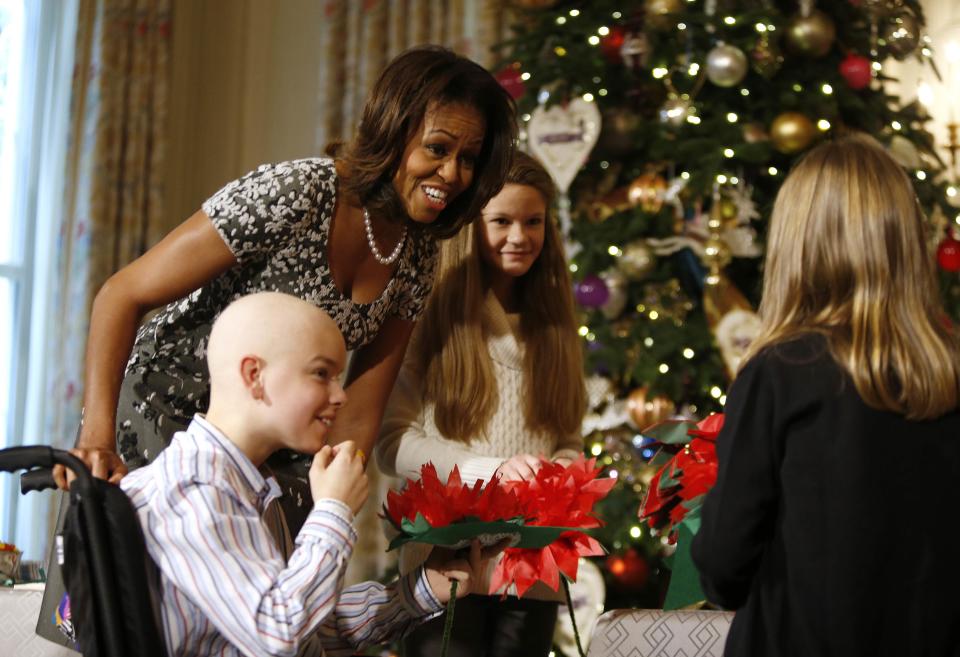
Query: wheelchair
x: 110, y: 578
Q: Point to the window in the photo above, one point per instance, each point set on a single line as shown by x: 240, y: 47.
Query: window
x: 12, y: 249
x: 36, y: 59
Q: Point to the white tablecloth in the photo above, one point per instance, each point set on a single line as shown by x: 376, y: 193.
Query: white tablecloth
x: 19, y: 609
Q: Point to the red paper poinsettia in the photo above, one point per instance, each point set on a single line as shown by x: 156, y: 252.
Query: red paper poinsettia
x: 558, y: 496
x: 689, y: 469
x: 548, y: 514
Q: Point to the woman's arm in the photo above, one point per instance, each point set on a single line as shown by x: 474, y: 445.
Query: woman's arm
x: 370, y: 378
x: 192, y: 254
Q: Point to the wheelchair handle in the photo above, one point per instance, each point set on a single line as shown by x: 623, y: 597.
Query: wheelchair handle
x: 25, y: 458
x: 37, y: 480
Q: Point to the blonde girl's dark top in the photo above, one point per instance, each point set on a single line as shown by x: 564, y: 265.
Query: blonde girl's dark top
x: 832, y: 526
x: 276, y: 221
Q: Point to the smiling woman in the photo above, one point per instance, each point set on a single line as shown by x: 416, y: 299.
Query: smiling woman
x: 438, y: 163
x: 432, y: 147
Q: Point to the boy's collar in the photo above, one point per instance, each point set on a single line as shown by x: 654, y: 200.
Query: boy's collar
x: 263, y: 486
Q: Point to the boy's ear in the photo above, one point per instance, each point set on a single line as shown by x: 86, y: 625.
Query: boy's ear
x: 251, y: 371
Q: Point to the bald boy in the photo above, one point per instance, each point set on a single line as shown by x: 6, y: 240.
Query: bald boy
x: 275, y: 363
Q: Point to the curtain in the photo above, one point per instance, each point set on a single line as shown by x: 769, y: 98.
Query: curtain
x: 114, y: 186
x: 358, y: 39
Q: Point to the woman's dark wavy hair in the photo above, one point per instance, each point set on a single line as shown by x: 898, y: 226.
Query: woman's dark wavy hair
x: 393, y: 114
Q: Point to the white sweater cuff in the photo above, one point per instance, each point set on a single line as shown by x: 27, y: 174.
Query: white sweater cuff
x: 479, y: 467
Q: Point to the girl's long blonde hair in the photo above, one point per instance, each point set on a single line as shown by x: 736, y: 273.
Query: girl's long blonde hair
x: 847, y: 258
x: 452, y: 349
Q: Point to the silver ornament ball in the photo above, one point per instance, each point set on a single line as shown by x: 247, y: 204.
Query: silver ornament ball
x: 726, y: 65
x: 617, y: 285
x: 902, y: 35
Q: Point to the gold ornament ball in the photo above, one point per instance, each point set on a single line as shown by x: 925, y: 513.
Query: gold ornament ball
x: 792, y: 132
x: 811, y: 35
x: 728, y: 210
x: 645, y: 411
x: 637, y: 260
x: 646, y: 191
x: 716, y: 253
x: 658, y: 12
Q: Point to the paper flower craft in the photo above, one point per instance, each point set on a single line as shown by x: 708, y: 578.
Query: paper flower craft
x: 688, y: 469
x: 545, y: 518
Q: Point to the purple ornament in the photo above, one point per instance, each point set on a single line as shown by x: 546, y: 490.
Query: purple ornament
x: 591, y: 292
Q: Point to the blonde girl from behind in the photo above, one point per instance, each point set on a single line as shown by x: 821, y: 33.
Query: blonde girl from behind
x: 840, y: 449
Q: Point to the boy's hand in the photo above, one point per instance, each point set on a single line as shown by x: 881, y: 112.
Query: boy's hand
x: 338, y: 473
x: 521, y: 466
x: 445, y: 565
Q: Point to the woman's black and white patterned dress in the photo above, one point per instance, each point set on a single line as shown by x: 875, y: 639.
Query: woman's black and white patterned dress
x: 276, y: 221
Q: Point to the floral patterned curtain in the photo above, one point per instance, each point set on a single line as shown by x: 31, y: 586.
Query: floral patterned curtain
x: 113, y: 209
x: 359, y: 38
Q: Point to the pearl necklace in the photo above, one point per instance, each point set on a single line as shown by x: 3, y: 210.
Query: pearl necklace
x: 379, y: 257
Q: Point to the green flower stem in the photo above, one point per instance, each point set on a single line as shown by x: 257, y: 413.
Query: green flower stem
x: 448, y: 623
x: 573, y: 619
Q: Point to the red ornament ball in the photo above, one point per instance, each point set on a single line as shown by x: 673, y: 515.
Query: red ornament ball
x: 856, y: 70
x: 948, y: 254
x: 509, y: 78
x: 611, y: 44
x: 630, y: 570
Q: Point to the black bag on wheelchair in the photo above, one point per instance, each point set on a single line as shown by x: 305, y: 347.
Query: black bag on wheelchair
x: 110, y: 578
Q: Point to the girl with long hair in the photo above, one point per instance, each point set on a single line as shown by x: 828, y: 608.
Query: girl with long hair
x: 838, y: 460
x: 493, y: 381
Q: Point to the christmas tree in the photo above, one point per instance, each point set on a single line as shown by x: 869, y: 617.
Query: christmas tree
x: 698, y: 108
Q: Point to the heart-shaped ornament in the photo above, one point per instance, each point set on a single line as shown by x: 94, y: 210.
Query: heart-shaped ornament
x: 562, y: 137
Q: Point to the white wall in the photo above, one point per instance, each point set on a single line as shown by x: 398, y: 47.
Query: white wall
x: 244, y: 92
x: 943, y: 27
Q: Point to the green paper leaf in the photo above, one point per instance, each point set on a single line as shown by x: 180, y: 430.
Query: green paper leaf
x: 684, y: 587
x: 460, y: 534
x: 671, y: 432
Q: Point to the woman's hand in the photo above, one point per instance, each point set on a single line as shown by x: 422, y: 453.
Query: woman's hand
x: 521, y: 466
x: 103, y: 464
